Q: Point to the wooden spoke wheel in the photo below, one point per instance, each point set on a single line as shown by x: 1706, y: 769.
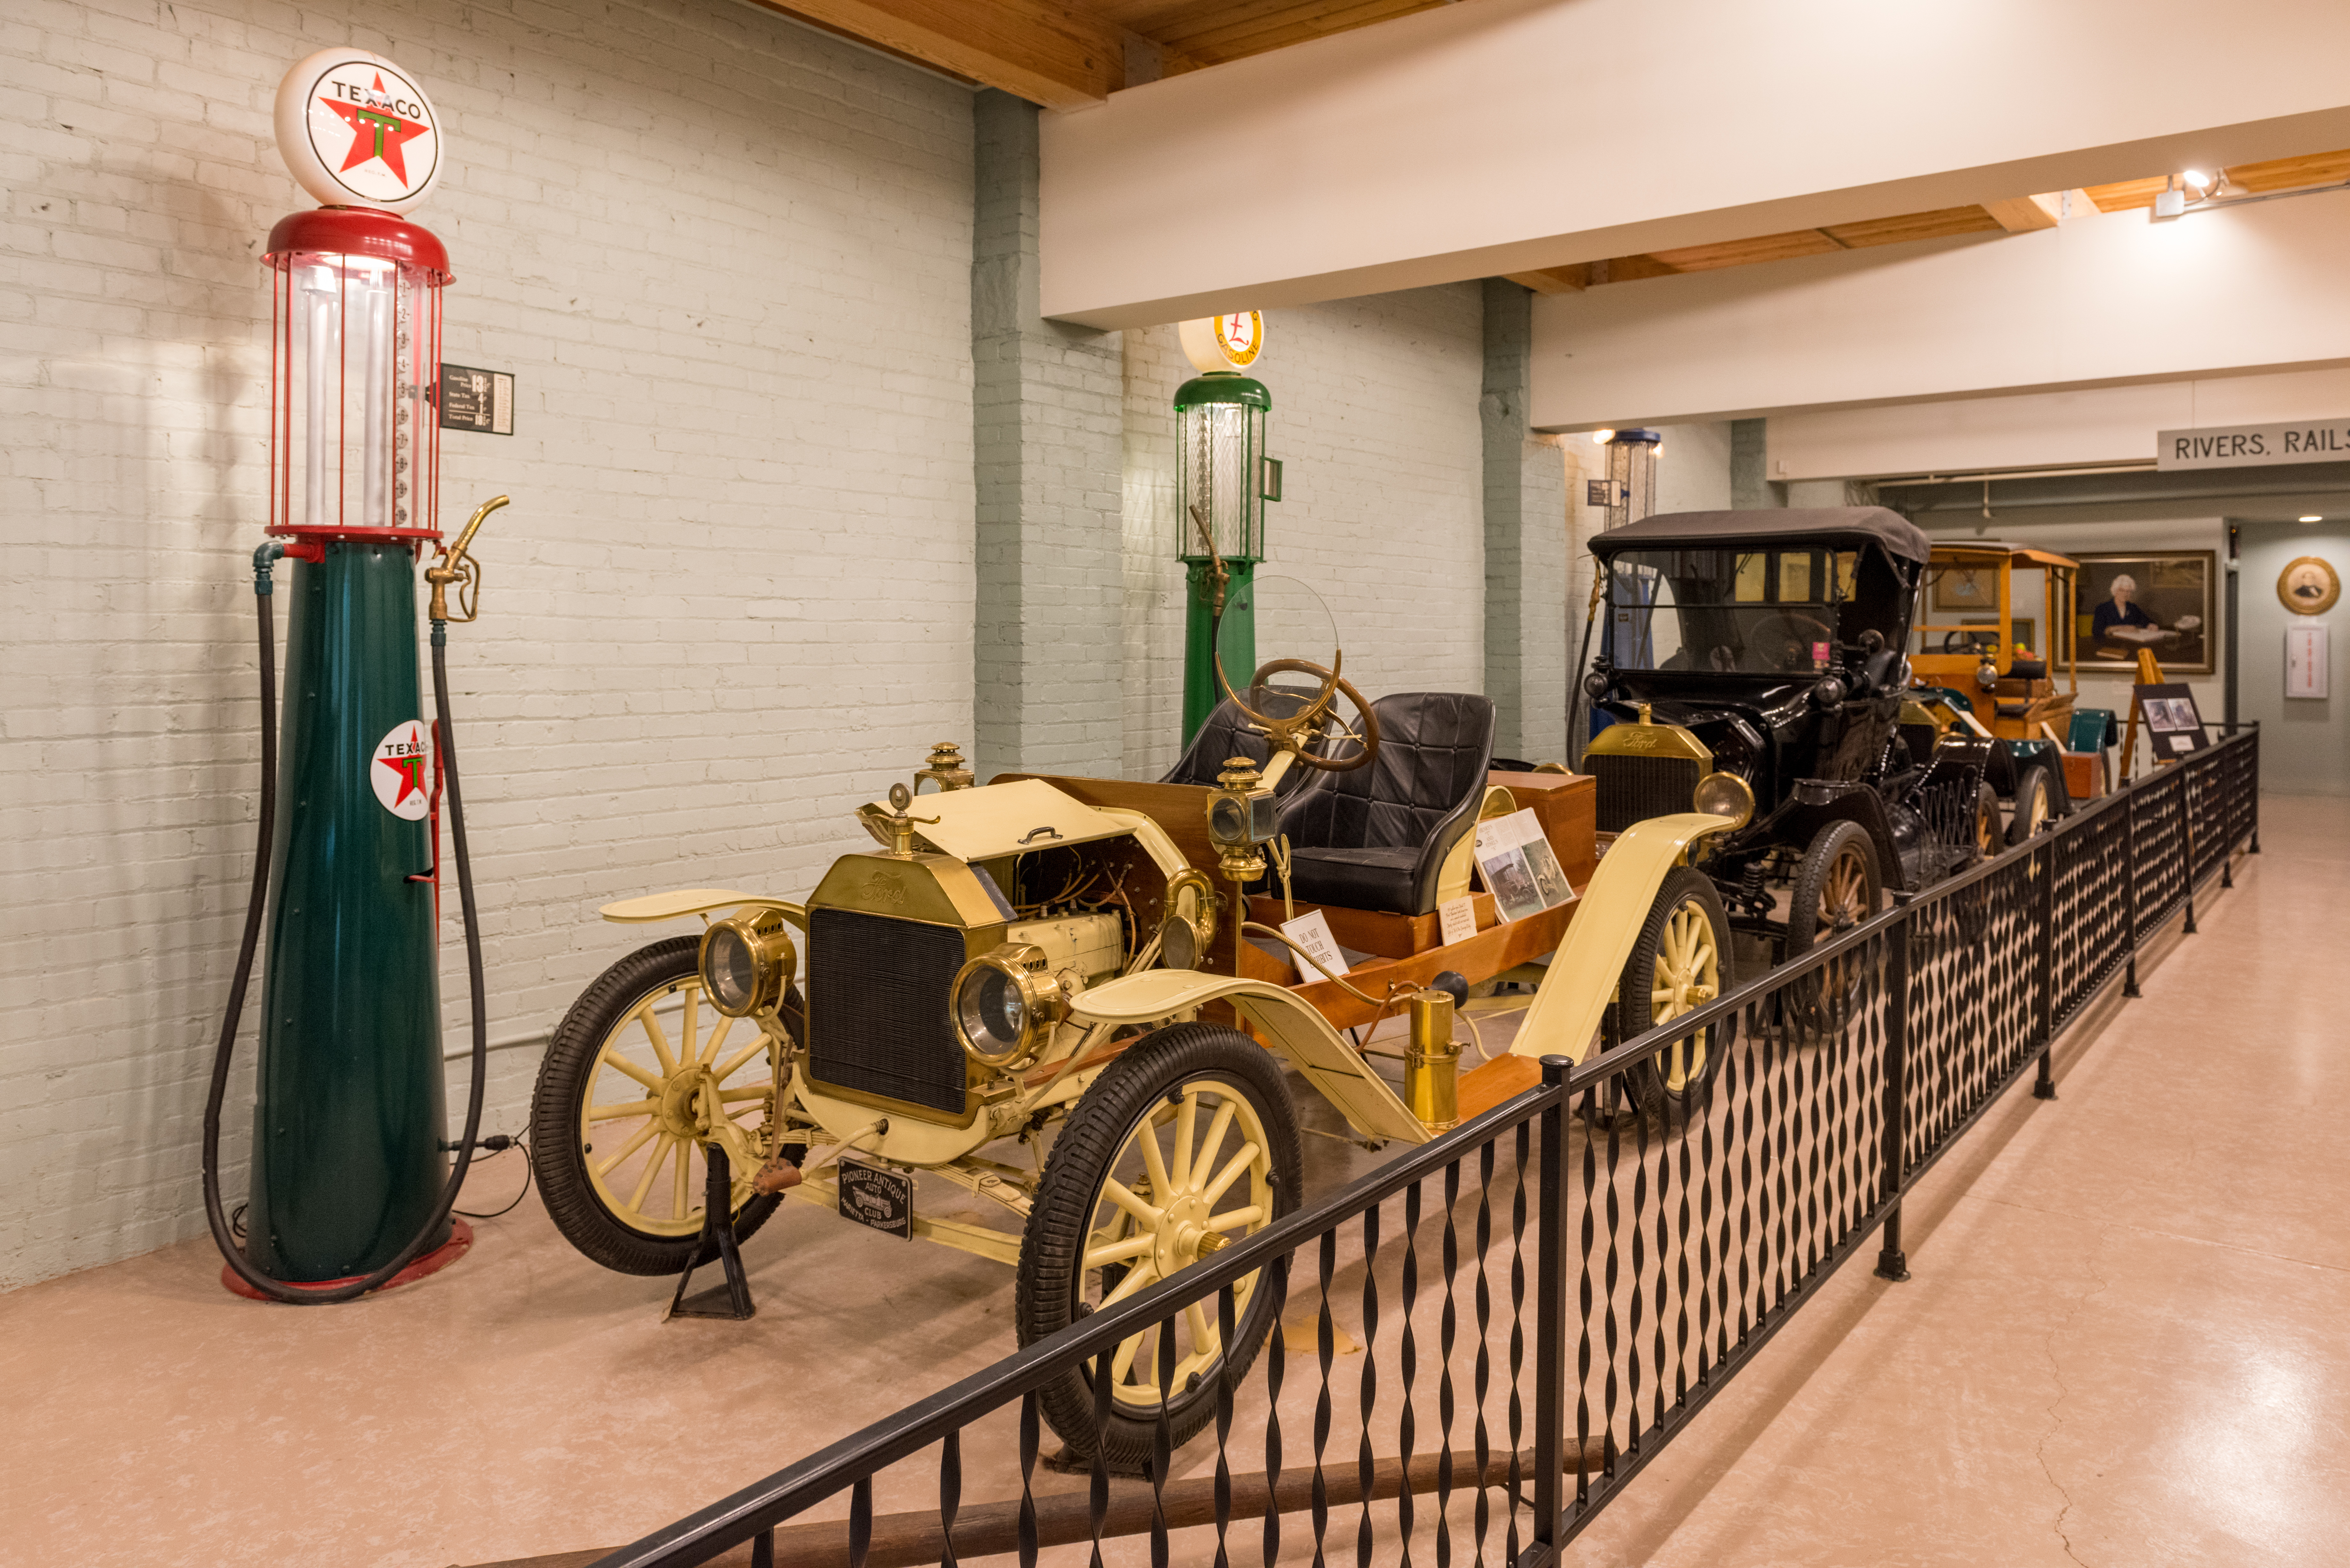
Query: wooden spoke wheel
x: 2035, y: 804
x: 1188, y: 1144
x: 640, y: 1078
x: 1990, y: 835
x: 1681, y: 962
x: 1837, y: 886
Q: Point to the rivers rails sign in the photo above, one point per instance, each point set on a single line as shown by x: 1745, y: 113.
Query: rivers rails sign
x: 2252, y: 446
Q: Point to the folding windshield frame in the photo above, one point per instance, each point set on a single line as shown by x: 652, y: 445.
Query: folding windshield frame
x: 1772, y: 610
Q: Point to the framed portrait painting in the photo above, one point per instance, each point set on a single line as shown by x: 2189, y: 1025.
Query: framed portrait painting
x: 2161, y: 599
x: 1958, y: 586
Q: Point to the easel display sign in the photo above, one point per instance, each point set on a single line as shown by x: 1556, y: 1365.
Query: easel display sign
x: 1521, y: 870
x: 2175, y: 728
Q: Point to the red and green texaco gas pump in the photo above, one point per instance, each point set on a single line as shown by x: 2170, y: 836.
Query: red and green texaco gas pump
x: 351, y: 1179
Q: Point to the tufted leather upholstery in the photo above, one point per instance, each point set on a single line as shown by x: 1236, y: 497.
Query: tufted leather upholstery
x: 1224, y: 734
x: 1376, y: 838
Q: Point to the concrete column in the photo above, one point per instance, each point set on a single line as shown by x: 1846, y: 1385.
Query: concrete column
x: 1046, y: 454
x: 1526, y: 613
x: 1751, y: 489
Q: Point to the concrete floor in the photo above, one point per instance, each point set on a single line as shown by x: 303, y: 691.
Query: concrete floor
x: 2122, y: 1344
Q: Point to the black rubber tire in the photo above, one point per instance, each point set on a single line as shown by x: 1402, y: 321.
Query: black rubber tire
x: 1051, y: 1282
x: 1825, y: 998
x: 1650, y: 1081
x: 1990, y: 836
x: 556, y: 1157
x: 2035, y: 801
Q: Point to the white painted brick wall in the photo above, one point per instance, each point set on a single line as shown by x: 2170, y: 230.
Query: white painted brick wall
x: 1374, y: 419
x: 727, y: 257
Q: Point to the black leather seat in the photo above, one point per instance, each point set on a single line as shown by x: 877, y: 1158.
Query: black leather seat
x: 1376, y: 838
x: 1225, y: 734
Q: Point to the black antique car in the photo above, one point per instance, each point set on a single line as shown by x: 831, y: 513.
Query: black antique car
x: 1762, y: 652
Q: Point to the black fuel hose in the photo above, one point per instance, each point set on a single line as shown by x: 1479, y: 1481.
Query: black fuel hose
x: 279, y: 1290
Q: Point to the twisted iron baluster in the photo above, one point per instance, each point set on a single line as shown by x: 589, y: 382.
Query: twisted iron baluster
x: 1483, y: 1375
x: 1524, y: 1146
x: 1276, y: 1280
x: 1326, y: 1341
x: 1407, y: 1429
x: 1445, y: 1325
x: 1585, y: 1297
x: 1097, y: 1496
x: 1030, y: 1437
x: 1162, y: 1444
x: 860, y: 1521
x: 1225, y: 1336
x: 950, y: 1493
x: 1368, y: 1397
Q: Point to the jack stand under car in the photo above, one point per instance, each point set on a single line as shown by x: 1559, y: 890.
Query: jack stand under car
x: 351, y: 1187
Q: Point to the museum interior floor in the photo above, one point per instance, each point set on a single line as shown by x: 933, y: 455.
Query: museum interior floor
x: 2122, y: 1344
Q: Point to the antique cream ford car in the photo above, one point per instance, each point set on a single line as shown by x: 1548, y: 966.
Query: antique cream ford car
x: 1072, y: 999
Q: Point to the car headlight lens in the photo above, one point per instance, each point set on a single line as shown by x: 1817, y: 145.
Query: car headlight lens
x: 1724, y: 794
x: 1004, y: 1009
x: 1178, y: 943
x: 744, y: 968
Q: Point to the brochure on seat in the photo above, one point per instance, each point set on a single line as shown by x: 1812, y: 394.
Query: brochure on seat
x: 1521, y: 870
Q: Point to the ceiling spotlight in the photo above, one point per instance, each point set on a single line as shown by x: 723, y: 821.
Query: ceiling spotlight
x: 1659, y: 451
x: 2314, y: 517
x: 2192, y: 176
x: 1602, y: 437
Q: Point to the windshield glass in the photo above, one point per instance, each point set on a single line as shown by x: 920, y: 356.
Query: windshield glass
x: 1274, y: 618
x: 1761, y: 612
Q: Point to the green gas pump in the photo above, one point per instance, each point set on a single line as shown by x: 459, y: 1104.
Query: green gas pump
x: 1223, y: 479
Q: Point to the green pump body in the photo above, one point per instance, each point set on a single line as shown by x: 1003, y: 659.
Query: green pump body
x: 347, y: 1163
x: 1222, y: 468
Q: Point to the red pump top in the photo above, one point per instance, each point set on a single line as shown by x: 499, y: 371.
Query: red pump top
x: 360, y: 232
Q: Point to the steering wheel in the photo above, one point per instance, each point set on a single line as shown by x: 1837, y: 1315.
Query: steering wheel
x: 1786, y: 638
x: 1295, y: 733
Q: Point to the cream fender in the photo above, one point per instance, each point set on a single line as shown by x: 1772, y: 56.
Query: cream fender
x: 696, y: 901
x: 1566, y: 1012
x: 1303, y: 1035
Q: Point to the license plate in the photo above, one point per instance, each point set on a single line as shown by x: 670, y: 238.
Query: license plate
x: 882, y: 1199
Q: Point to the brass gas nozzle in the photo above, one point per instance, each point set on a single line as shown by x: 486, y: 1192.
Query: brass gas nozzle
x: 456, y: 565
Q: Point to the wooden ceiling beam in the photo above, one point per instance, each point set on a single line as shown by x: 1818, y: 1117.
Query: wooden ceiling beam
x: 1062, y: 57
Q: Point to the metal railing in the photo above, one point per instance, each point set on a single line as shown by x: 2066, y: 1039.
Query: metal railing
x: 1557, y: 1286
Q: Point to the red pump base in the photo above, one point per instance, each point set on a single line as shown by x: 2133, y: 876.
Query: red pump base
x: 460, y: 1241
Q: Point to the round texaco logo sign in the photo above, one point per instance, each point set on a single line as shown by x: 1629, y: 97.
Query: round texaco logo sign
x: 356, y: 130
x: 402, y: 771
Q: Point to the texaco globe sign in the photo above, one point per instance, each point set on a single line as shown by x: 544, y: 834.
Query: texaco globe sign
x: 357, y: 131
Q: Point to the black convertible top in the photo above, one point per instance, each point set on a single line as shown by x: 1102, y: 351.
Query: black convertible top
x: 1824, y: 524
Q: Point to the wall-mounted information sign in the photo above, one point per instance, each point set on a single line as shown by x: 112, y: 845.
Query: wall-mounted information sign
x: 2252, y: 446
x: 477, y: 400
x: 2306, y: 662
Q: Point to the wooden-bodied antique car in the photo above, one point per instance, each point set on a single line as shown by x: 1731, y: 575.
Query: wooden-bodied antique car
x: 1998, y: 621
x: 1765, y: 651
x: 1070, y: 998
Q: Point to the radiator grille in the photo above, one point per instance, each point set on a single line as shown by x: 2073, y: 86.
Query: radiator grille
x: 1634, y: 789
x: 877, y: 1008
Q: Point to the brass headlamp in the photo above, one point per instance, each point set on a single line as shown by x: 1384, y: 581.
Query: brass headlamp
x: 745, y: 962
x: 1724, y: 794
x: 1242, y: 815
x: 1004, y: 1005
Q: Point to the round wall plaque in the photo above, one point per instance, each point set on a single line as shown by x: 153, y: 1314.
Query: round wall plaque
x: 2308, y: 587
x: 356, y: 130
